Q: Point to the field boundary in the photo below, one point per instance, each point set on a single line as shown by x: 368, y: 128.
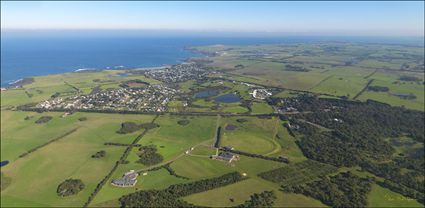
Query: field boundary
x: 364, y: 89
x: 114, y: 168
x: 47, y: 143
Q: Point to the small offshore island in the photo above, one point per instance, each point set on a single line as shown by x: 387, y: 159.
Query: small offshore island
x: 285, y: 125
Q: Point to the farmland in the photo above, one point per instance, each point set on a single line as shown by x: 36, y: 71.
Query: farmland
x: 308, y: 125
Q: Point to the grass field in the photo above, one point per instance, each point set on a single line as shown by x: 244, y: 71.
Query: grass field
x: 382, y: 197
x: 240, y: 192
x: 35, y: 177
x: 260, y: 108
x: 396, y: 86
x: 250, y: 135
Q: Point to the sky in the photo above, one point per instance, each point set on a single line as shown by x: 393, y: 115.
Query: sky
x: 310, y: 18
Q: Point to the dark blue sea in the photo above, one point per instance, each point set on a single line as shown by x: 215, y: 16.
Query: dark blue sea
x: 25, y: 56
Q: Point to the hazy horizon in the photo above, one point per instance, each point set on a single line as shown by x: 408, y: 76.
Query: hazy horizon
x: 230, y: 18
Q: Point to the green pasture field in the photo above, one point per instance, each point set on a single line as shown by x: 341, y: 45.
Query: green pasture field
x: 36, y: 176
x: 273, y: 74
x: 250, y: 135
x: 391, y: 80
x: 197, y: 167
x: 241, y: 191
x: 288, y: 146
x: 383, y: 197
x: 261, y: 107
x: 175, y: 138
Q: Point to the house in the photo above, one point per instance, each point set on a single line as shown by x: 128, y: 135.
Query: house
x: 127, y: 180
x: 225, y: 156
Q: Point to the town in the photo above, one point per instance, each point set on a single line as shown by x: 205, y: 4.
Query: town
x: 153, y: 98
x: 178, y: 73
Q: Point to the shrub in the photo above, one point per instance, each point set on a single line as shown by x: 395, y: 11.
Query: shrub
x: 83, y: 119
x: 183, y: 122
x: 149, y: 156
x: 43, y: 119
x: 99, y: 154
x: 241, y: 120
x: 70, y: 187
x: 128, y: 127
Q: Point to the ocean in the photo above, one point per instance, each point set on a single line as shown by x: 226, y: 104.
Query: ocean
x: 34, y: 56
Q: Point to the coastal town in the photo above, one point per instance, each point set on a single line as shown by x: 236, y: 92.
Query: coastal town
x: 178, y: 73
x: 140, y: 96
x: 153, y: 98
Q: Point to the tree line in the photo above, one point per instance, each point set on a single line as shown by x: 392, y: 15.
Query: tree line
x: 169, y: 197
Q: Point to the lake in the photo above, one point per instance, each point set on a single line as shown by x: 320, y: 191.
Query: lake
x: 228, y: 98
x: 4, y: 163
x: 206, y: 93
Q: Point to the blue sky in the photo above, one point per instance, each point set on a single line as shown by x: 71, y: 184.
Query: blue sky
x: 333, y: 18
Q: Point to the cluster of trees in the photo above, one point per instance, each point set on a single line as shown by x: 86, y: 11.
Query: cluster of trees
x: 183, y: 122
x: 43, y: 119
x: 47, y: 143
x: 358, y: 137
x: 276, y: 159
x: 409, y: 78
x: 70, y: 187
x: 341, y: 150
x: 263, y: 199
x: 239, y: 66
x: 169, y: 197
x: 409, y: 96
x: 99, y: 154
x: 342, y: 190
x: 149, y: 156
x: 289, y: 67
x: 378, y: 88
x: 298, y: 173
x: 129, y: 127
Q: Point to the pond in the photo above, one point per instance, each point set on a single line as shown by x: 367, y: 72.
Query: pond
x: 206, y: 93
x: 4, y: 163
x: 228, y: 98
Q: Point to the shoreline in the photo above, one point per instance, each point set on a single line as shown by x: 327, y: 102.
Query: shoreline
x: 16, y: 83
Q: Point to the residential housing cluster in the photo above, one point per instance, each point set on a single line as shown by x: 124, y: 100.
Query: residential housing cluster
x: 153, y: 98
x: 178, y: 73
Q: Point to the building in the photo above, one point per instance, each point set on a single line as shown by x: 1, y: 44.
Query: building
x: 225, y: 156
x: 260, y: 94
x: 129, y: 179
